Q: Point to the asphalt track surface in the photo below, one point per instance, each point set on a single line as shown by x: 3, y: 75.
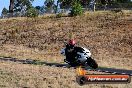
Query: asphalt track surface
x: 35, y: 62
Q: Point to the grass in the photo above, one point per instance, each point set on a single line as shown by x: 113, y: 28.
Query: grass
x: 37, y: 76
x: 107, y: 35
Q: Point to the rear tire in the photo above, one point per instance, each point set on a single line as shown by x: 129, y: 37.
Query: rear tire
x: 73, y: 64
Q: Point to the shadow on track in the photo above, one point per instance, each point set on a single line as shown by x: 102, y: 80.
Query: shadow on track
x: 37, y: 62
x: 30, y: 61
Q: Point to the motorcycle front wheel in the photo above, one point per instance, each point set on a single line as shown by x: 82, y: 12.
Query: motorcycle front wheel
x: 92, y: 63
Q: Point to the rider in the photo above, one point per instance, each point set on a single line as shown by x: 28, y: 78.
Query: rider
x: 70, y: 51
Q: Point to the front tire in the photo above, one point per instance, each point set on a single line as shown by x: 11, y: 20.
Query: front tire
x: 92, y: 63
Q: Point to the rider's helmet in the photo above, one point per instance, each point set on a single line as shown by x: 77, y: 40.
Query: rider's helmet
x: 71, y: 43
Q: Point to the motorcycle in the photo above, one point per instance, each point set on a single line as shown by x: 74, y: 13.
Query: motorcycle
x: 82, y: 58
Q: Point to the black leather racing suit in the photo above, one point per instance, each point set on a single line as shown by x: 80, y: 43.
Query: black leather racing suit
x: 70, y: 53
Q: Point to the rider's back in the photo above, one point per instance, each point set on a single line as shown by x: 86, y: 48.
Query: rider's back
x: 71, y: 53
